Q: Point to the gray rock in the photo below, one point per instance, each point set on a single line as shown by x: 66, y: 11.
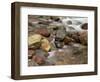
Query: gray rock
x: 41, y: 53
x: 60, y: 35
x: 31, y: 52
x: 59, y: 44
x: 32, y: 63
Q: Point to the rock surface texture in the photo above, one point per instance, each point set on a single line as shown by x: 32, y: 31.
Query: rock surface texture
x: 57, y: 40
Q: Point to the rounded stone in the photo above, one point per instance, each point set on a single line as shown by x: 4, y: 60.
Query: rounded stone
x: 30, y: 53
x: 45, y: 45
x: 35, y: 45
x: 60, y: 35
x: 83, y: 36
x: 75, y: 36
x: 34, y: 39
x: 42, y: 31
x: 68, y: 40
x: 41, y: 53
x: 38, y: 59
x: 84, y: 26
x: 59, y: 44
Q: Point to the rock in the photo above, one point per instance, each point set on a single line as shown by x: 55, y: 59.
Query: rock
x: 69, y: 22
x: 84, y: 26
x: 74, y: 36
x: 54, y: 27
x: 60, y: 35
x: 40, y: 56
x: 70, y: 28
x: 83, y: 36
x: 32, y: 63
x: 61, y: 57
x: 53, y: 46
x: 44, y: 22
x: 31, y: 52
x: 36, y: 45
x: 45, y: 45
x: 48, y: 63
x: 54, y: 18
x: 39, y: 59
x: 41, y: 53
x: 42, y: 31
x: 68, y: 40
x: 59, y: 44
x: 34, y: 39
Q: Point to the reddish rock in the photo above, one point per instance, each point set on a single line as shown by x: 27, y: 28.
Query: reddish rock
x: 31, y: 52
x: 38, y: 59
x: 42, y: 31
x: 75, y: 36
x: 83, y: 36
x: 68, y: 40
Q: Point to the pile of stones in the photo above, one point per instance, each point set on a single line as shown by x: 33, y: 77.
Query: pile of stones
x: 47, y: 34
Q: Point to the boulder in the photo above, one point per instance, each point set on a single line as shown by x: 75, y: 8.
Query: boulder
x: 35, y: 38
x: 31, y: 52
x: 83, y: 36
x: 36, y: 45
x: 68, y: 40
x: 32, y: 63
x: 39, y: 59
x: 59, y: 44
x: 41, y: 53
x: 60, y: 35
x: 74, y: 36
x: 84, y: 26
x: 42, y: 31
x: 45, y: 45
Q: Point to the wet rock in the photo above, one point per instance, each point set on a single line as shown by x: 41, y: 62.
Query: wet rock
x: 52, y: 28
x: 83, y: 37
x: 45, y: 45
x: 79, y: 37
x: 32, y: 63
x: 74, y: 36
x: 53, y: 46
x: 69, y: 22
x: 31, y: 52
x: 56, y: 42
x: 68, y: 40
x: 42, y: 31
x: 44, y: 22
x: 47, y: 63
x: 41, y: 53
x: 57, y: 26
x: 84, y: 26
x: 39, y: 59
x: 60, y: 35
x: 59, y: 44
x: 57, y: 19
x: 71, y: 28
x: 36, y: 45
x: 61, y: 57
x: 32, y: 22
x: 34, y: 39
